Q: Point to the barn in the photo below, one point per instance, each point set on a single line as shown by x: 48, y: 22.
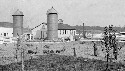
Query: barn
x: 65, y: 31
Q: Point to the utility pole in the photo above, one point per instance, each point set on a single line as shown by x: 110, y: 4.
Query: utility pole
x: 74, y: 52
x: 22, y: 54
x: 83, y: 31
x: 22, y: 58
x: 17, y: 47
x: 19, y: 43
x: 95, y: 49
x: 16, y: 55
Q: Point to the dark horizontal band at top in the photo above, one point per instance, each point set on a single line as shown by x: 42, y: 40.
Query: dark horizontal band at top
x: 17, y: 15
x: 66, y: 29
x: 52, y: 13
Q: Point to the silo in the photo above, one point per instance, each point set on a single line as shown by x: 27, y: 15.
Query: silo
x: 52, y: 24
x: 17, y: 23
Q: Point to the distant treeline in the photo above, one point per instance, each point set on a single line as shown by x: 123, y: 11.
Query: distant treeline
x: 80, y: 28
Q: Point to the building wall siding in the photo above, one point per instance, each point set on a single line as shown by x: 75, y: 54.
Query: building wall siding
x: 8, y: 31
x: 61, y: 33
x: 37, y: 32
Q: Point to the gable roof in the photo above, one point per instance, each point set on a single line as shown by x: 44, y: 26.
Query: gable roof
x: 36, y: 26
x: 65, y: 27
x: 6, y: 24
x: 61, y: 26
x: 27, y: 30
x: 10, y: 25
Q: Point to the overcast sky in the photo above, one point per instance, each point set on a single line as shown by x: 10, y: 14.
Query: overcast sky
x: 73, y: 12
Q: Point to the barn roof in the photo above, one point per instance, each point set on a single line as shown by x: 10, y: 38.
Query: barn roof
x: 6, y: 24
x: 27, y: 30
x: 61, y: 26
x: 10, y: 25
x: 65, y: 27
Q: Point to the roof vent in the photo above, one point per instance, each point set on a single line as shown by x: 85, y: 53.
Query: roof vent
x: 60, y: 21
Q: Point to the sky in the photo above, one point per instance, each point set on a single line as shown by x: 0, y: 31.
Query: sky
x: 73, y: 12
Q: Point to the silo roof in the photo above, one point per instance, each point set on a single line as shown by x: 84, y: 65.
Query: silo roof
x: 18, y: 12
x: 52, y: 10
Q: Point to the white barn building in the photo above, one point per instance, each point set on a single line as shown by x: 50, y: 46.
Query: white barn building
x: 6, y: 33
x: 39, y: 32
x: 6, y: 29
x: 64, y: 31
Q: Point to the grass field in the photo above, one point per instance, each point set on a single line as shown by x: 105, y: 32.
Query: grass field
x: 62, y: 63
x: 64, y: 60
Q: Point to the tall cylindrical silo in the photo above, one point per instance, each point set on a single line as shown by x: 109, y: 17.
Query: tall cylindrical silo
x: 17, y: 23
x: 52, y: 24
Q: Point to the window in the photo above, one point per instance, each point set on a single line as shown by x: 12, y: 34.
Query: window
x: 60, y: 32
x: 43, y: 27
x: 28, y: 35
x: 70, y: 31
x: 31, y: 37
x: 4, y: 34
x: 74, y: 32
x: 65, y: 31
x: 41, y: 34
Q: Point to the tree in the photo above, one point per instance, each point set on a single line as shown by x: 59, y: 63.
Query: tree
x: 110, y: 43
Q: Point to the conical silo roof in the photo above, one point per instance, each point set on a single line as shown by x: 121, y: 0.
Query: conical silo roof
x: 52, y: 10
x: 18, y: 12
